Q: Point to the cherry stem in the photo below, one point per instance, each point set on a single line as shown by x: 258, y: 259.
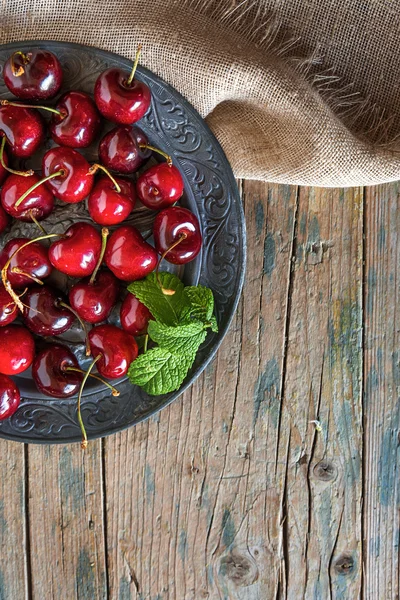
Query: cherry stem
x: 34, y: 220
x: 19, y: 271
x: 135, y: 64
x: 167, y: 292
x: 3, y: 164
x: 17, y: 72
x: 93, y: 170
x: 22, y: 105
x: 146, y: 341
x: 4, y: 270
x: 82, y: 323
x: 114, y: 390
x: 104, y: 236
x: 84, y: 436
x: 60, y: 173
x: 154, y: 149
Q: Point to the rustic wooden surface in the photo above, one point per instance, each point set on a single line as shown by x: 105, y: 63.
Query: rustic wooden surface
x: 276, y: 475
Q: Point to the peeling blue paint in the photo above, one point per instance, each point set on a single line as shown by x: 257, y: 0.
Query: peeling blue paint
x: 259, y: 218
x: 124, y: 592
x: 269, y: 254
x: 387, y: 466
x: 3, y: 522
x: 313, y: 231
x: 303, y: 224
x: 149, y: 482
x: 71, y: 481
x: 396, y: 368
x: 85, y: 583
x: 228, y: 528
x: 372, y: 384
x: 382, y: 238
x: 182, y: 545
x: 3, y: 589
x: 372, y: 283
x: 267, y: 389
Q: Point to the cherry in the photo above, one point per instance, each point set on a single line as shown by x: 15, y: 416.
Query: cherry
x: 77, y: 253
x: 107, y: 205
x: 23, y: 128
x: 77, y: 122
x: 93, y: 301
x: 128, y: 256
x: 161, y: 185
x: 31, y: 262
x: 8, y: 308
x: 120, y: 97
x: 177, y: 235
x: 44, y: 311
x: 120, y: 149
x: 134, y: 315
x: 116, y: 348
x: 68, y: 174
x: 38, y: 204
x: 4, y: 220
x: 10, y: 397
x: 17, y: 349
x: 33, y: 75
x: 52, y: 371
x: 3, y: 162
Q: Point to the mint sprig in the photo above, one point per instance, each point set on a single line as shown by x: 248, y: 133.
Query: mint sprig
x: 180, y: 325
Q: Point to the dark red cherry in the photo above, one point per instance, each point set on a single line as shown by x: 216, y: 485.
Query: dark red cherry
x: 93, y: 301
x: 17, y: 349
x: 33, y: 75
x: 23, y: 128
x: 74, y: 180
x: 3, y: 172
x: 10, y: 397
x: 160, y: 186
x: 39, y: 203
x: 4, y: 220
x: 106, y: 205
x: 173, y: 225
x: 117, y: 349
x: 79, y: 122
x: 119, y: 101
x: 134, y: 315
x: 49, y: 372
x: 77, y: 253
x: 128, y: 256
x: 8, y: 308
x: 32, y: 260
x: 119, y: 149
x: 42, y: 311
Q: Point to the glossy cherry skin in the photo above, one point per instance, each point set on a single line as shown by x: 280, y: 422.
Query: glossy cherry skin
x: 119, y: 102
x: 39, y: 203
x: 93, y: 301
x: 106, y: 206
x: 76, y: 182
x: 50, y: 374
x: 116, y: 347
x: 169, y: 225
x: 119, y: 149
x: 23, y: 128
x: 32, y: 259
x: 3, y: 172
x: 10, y: 397
x: 17, y: 349
x: 4, y: 220
x: 78, y: 252
x: 42, y: 76
x: 79, y: 123
x: 160, y: 186
x: 8, y: 309
x: 128, y: 256
x: 134, y: 315
x: 42, y: 313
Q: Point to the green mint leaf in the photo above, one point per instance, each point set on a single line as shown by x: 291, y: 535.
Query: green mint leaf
x: 164, y: 308
x: 213, y: 324
x: 183, y: 339
x: 201, y: 300
x: 159, y: 371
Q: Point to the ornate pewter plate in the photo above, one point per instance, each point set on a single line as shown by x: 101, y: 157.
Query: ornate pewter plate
x: 173, y: 125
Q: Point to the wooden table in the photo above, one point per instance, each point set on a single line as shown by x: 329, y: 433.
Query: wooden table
x: 276, y: 475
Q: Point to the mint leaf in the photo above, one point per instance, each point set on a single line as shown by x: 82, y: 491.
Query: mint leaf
x: 213, y: 324
x: 159, y: 371
x: 182, y: 339
x: 164, y: 308
x: 201, y: 301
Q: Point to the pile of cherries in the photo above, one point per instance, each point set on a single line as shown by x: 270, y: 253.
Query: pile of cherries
x: 83, y: 249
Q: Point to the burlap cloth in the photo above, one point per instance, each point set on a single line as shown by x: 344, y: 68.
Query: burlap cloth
x: 296, y: 91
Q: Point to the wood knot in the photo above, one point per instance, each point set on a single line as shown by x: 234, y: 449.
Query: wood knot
x: 344, y: 565
x: 325, y: 471
x: 239, y: 569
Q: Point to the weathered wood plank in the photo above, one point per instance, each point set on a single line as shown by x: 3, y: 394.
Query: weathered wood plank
x: 66, y: 522
x: 382, y: 392
x: 192, y: 507
x: 13, y: 534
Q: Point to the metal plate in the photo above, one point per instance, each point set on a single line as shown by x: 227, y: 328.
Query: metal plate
x: 173, y: 125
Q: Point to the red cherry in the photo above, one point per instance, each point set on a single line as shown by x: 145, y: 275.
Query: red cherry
x: 107, y: 206
x: 43, y: 313
x: 23, y: 128
x: 119, y: 149
x: 178, y: 227
x: 117, y: 349
x: 10, y: 397
x: 8, y: 308
x: 49, y: 372
x: 32, y: 260
x: 160, y: 186
x: 93, y: 301
x: 78, y: 252
x: 4, y: 220
x: 17, y: 349
x: 79, y: 122
x: 128, y: 256
x: 33, y: 75
x: 3, y: 171
x: 74, y: 180
x: 39, y: 203
x: 134, y: 315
